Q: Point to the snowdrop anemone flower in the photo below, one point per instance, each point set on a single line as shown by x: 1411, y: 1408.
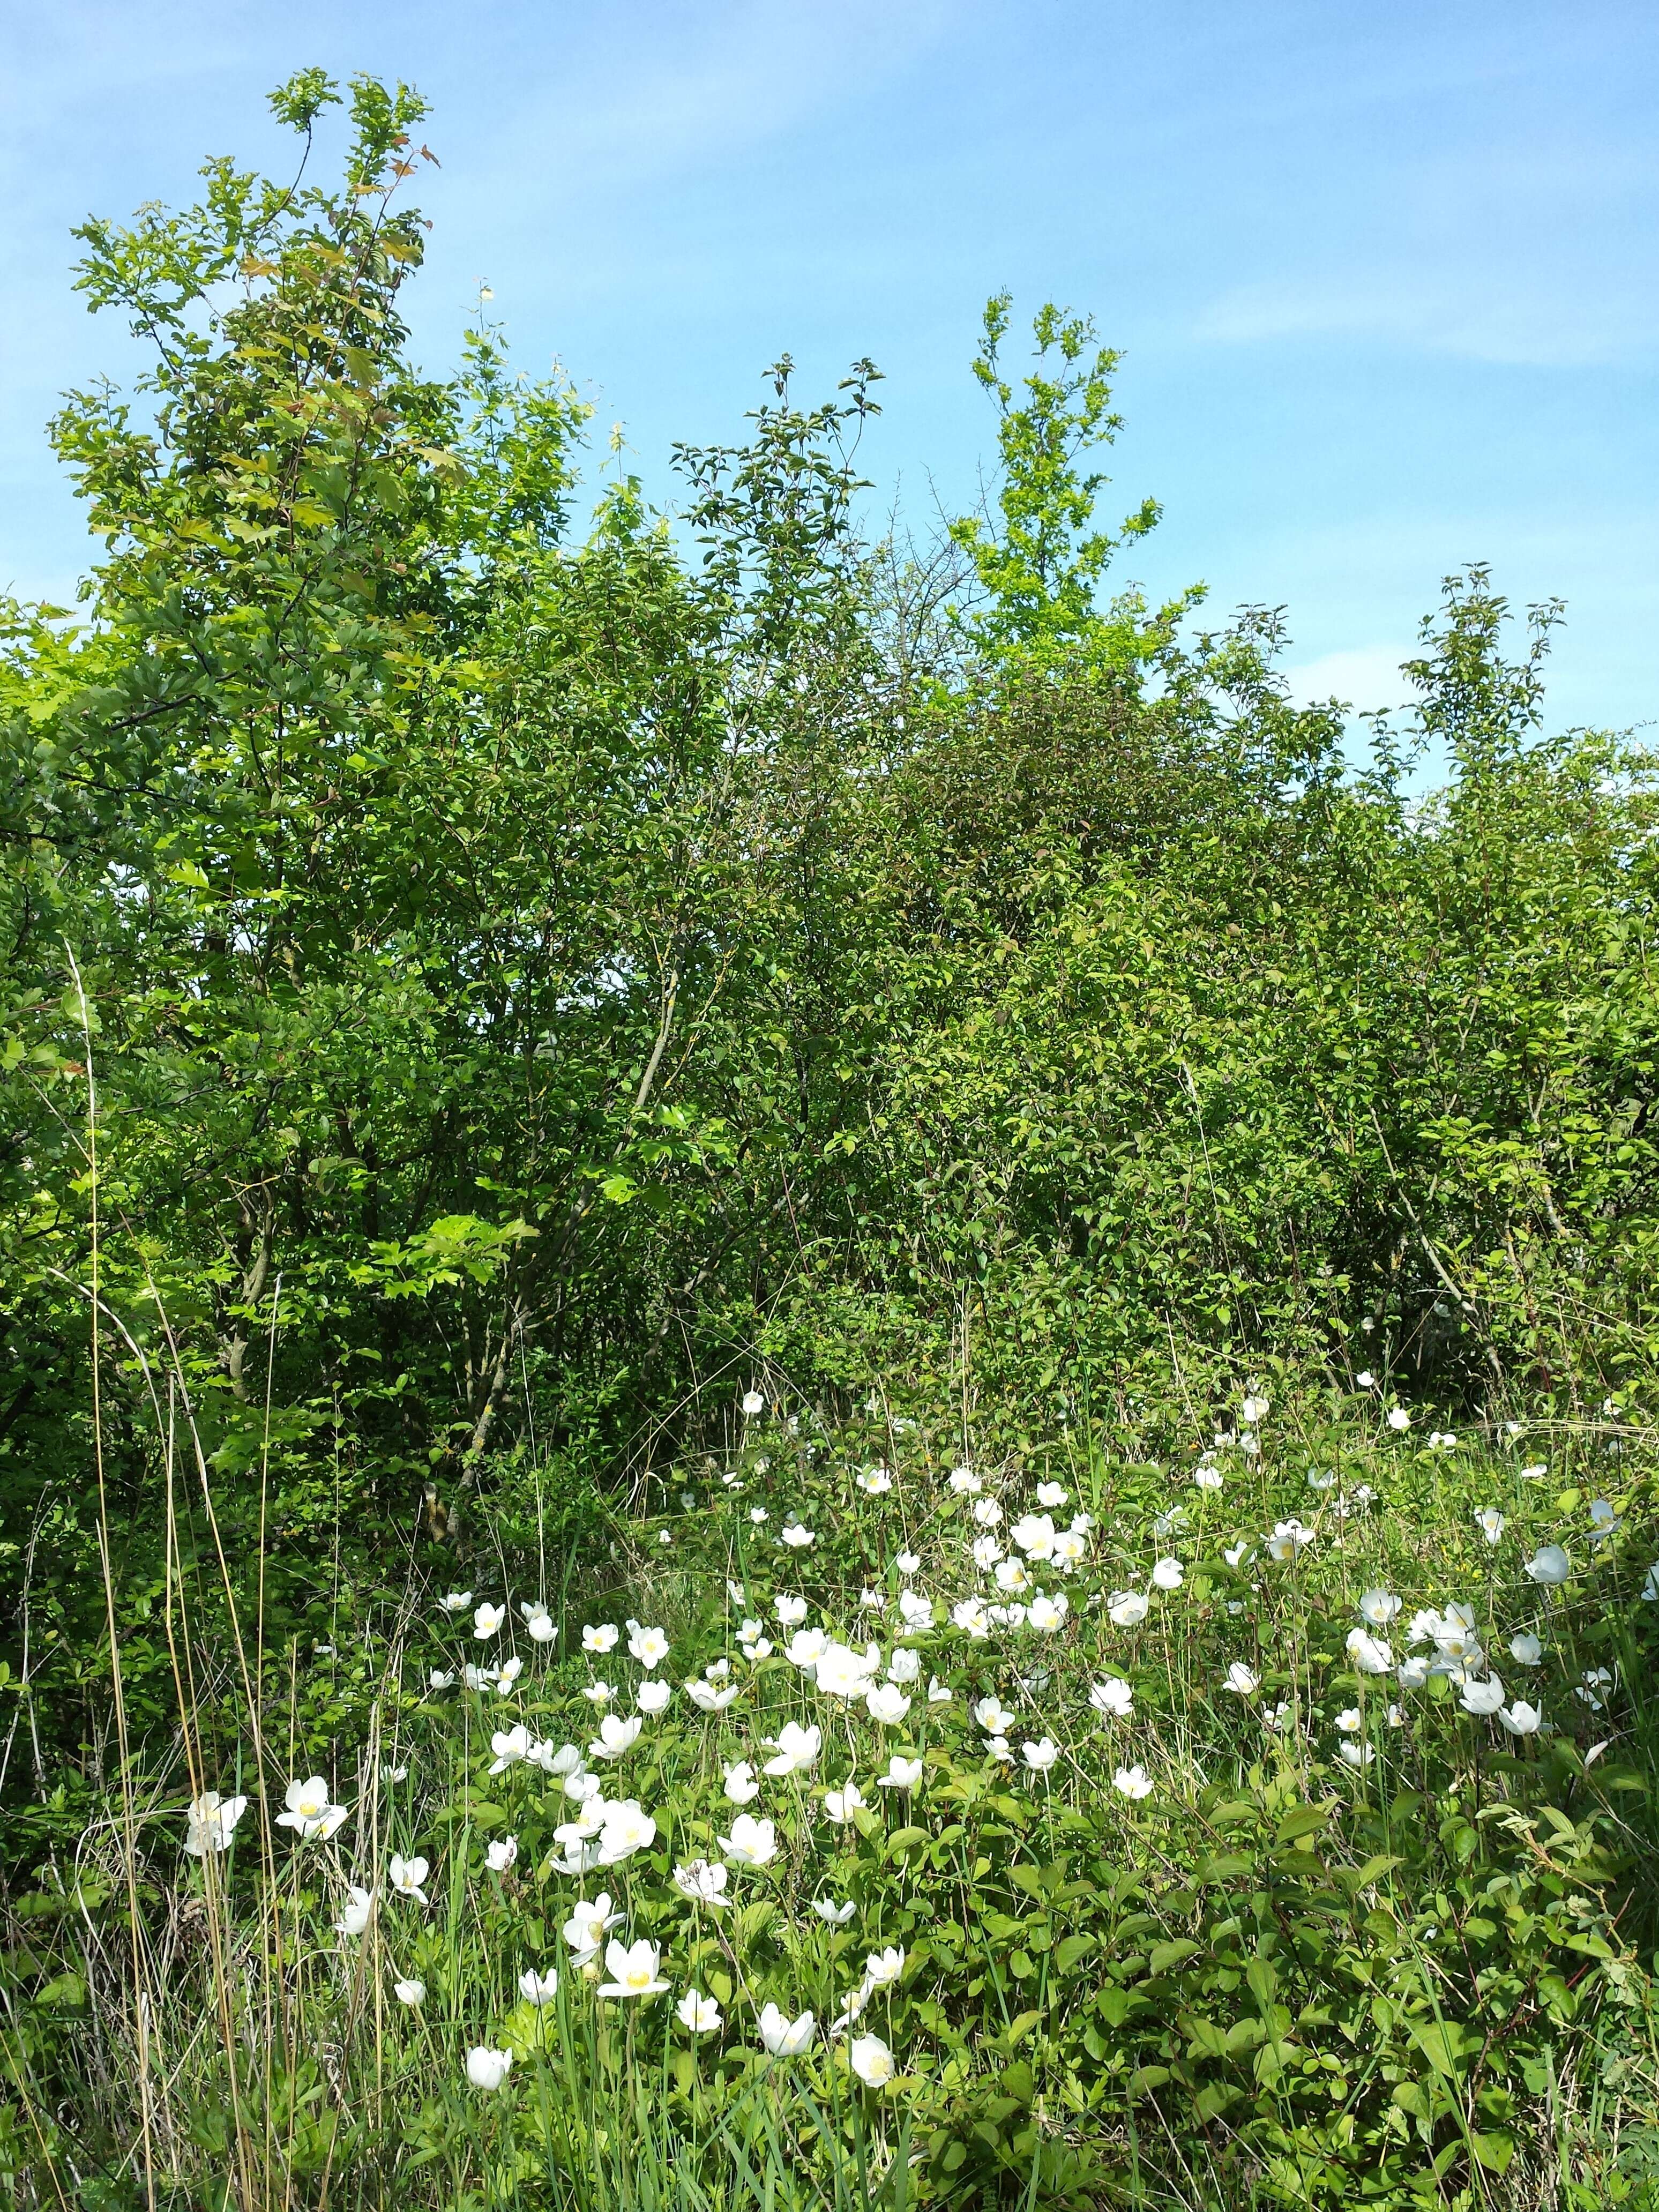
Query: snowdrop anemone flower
x: 875, y: 1482
x: 633, y: 1969
x: 355, y: 1913
x: 984, y: 1551
x: 882, y: 1968
x: 538, y: 1988
x: 441, y: 1678
x: 479, y: 1678
x: 697, y: 2012
x: 993, y: 1715
x: 1132, y: 1782
x: 916, y: 1611
x: 1549, y: 1566
x: 601, y: 1637
x: 508, y: 1673
x: 1526, y: 1651
x: 309, y: 1810
x: 905, y: 1665
x: 486, y: 2069
x: 210, y: 1823
x: 1491, y: 1523
x: 740, y: 1785
x: 1113, y: 1699
x: 833, y: 1915
x: 1534, y: 1474
x: 1048, y: 1613
x: 1355, y: 1752
x: 616, y: 1736
x: 986, y: 1512
x: 589, y: 1924
x: 902, y: 1773
x: 1398, y: 1419
x: 1318, y: 1480
x: 1033, y: 1532
x: 871, y: 2061
x: 886, y: 1702
x: 412, y: 1992
x: 406, y: 1877
x: 938, y: 1693
x: 1168, y: 1574
x: 539, y: 1622
x: 1236, y: 1555
x: 1603, y: 1519
x: 703, y: 1883
x: 753, y: 1403
x: 709, y: 1699
x: 1205, y: 1476
x: 1127, y: 1608
x: 1011, y: 1575
x: 796, y: 1535
x: 1051, y: 1493
x: 782, y: 2037
x: 1520, y: 1718
x: 1651, y: 1585
x: 752, y: 1843
x: 1364, y: 1380
x: 649, y: 1646
x: 964, y: 1481
x: 1592, y: 1685
x: 627, y: 1828
x: 500, y: 1856
x: 1483, y: 1698
x: 487, y: 1620
x: 1242, y: 1680
x: 1370, y: 1655
x: 1411, y: 1673
x: 840, y: 1805
x: 1378, y: 1608
x: 1253, y: 1409
x: 652, y: 1697
x: 1041, y: 1755
x: 999, y: 1748
x: 791, y: 1611
x: 844, y: 1673
x: 797, y: 1749
x: 1287, y: 1540
x: 1350, y: 1721
x: 971, y: 1617
x: 759, y: 1516
x: 510, y: 1745
x: 457, y: 1602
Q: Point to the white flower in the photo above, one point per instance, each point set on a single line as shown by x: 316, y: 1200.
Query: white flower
x: 355, y: 1912
x: 1349, y: 1721
x: 479, y: 1678
x: 1378, y: 1608
x: 589, y: 1924
x: 988, y: 1512
x: 964, y: 1481
x: 508, y: 1673
x: 627, y: 1829
x: 1603, y: 1519
x: 1525, y: 1649
x: 412, y: 1993
x: 1253, y: 1410
x: 871, y: 2061
x: 1041, y: 1755
x: 538, y: 1988
x: 916, y: 1610
x: 758, y: 1515
x: 1011, y: 1575
x: 1491, y: 1523
x: 844, y: 1673
x: 457, y: 1601
x: 509, y: 1746
x: 702, y: 1882
x: 753, y: 1403
x: 752, y: 1843
x: 210, y: 1823
x: 1318, y: 1480
x: 708, y: 1699
x: 1051, y: 1493
x: 406, y: 1877
x: 1048, y: 1613
x: 905, y: 1665
x: 499, y: 1856
x: 649, y: 1646
x: 783, y: 2037
x: 1113, y: 1699
x: 1591, y: 1686
x: 1277, y: 1717
x: 836, y: 1916
x: 1520, y: 1718
x: 1549, y: 1566
x: 698, y: 2012
x: 309, y: 1810
x: 487, y: 1620
x: 1651, y: 1585
x: 1236, y: 1554
x: 1483, y: 1698
x: 1370, y: 1653
x: 616, y: 1735
x: 875, y: 1482
x: 993, y: 1715
x: 886, y: 1702
x: 796, y: 1535
x: 602, y: 1637
x: 541, y: 1625
x: 1207, y: 1477
x: 633, y: 1969
x: 579, y: 1784
x: 790, y: 1611
x: 907, y: 1562
x: 1242, y: 1680
x: 1132, y: 1782
x: 1033, y: 1532
x: 984, y: 1551
x: 882, y: 1968
x: 441, y: 1678
x: 487, y: 2068
x: 971, y: 1617
x: 1411, y: 1673
x: 1287, y: 1539
x: 797, y: 1749
x: 1356, y: 1753
x: 741, y: 1787
x: 902, y: 1773
x: 1398, y: 1419
x: 1168, y: 1574
x: 938, y: 1693
x: 1000, y: 1748
x: 1365, y: 1380
x: 871, y: 1601
x: 1071, y: 1549
x: 1534, y: 1474
x: 653, y: 1697
x: 1127, y: 1609
x: 840, y: 1805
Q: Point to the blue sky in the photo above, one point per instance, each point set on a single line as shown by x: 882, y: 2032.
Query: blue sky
x: 1384, y: 275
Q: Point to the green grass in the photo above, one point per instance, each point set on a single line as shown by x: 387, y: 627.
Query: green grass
x: 1278, y: 1978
